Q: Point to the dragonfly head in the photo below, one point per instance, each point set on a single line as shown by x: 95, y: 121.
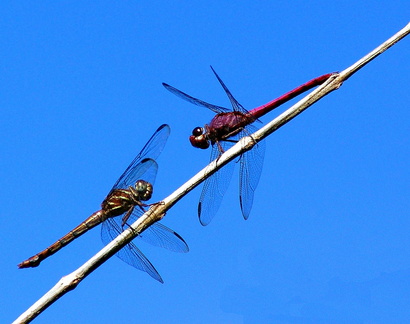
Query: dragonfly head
x: 144, y: 190
x: 199, y: 138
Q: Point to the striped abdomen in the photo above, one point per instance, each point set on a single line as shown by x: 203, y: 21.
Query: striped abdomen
x: 89, y: 223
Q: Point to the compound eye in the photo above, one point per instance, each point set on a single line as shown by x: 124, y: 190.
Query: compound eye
x: 144, y: 190
x: 198, y: 131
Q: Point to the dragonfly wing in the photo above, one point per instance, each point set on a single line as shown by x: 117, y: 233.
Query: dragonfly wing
x: 162, y: 236
x: 151, y: 150
x: 145, y: 170
x: 195, y: 101
x: 214, y: 187
x: 157, y: 234
x: 235, y: 104
x: 251, y: 163
x: 130, y: 254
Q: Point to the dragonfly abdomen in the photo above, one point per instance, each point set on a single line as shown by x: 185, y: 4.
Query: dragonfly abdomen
x: 88, y: 224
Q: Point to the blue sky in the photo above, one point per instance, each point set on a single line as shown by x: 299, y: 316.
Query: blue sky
x: 328, y: 237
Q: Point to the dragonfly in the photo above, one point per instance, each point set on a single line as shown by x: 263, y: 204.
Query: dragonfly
x: 126, y: 199
x: 224, y: 130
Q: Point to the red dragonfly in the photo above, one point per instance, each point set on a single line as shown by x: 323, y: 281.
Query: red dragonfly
x: 126, y: 198
x: 226, y: 128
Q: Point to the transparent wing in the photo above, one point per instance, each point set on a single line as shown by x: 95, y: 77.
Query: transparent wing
x: 214, y: 187
x: 251, y: 163
x: 151, y: 151
x: 146, y: 170
x: 235, y: 104
x: 130, y: 253
x: 162, y: 236
x: 195, y: 101
x: 157, y: 234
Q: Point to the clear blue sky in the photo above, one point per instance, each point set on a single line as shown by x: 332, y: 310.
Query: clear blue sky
x: 328, y: 237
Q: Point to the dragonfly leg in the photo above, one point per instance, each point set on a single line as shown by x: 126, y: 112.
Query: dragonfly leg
x: 153, y: 204
x: 241, y: 129
x: 126, y: 216
x: 141, y: 206
x: 220, y: 148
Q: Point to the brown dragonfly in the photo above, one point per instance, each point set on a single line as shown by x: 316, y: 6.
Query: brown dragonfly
x: 126, y: 199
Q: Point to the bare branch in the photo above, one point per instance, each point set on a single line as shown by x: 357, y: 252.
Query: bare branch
x: 158, y: 211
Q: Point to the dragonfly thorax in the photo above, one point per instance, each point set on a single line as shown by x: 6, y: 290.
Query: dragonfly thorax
x: 120, y: 201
